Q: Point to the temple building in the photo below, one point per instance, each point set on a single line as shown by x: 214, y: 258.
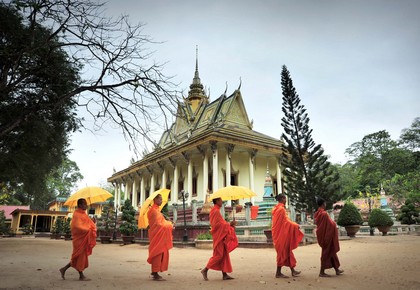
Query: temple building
x: 210, y: 145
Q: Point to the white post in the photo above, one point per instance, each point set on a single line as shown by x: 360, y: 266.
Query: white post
x: 175, y: 191
x: 190, y: 181
x: 215, y: 169
x: 205, y: 177
x: 134, y: 196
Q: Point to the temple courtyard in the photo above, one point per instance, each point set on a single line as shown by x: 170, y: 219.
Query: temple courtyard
x: 390, y: 262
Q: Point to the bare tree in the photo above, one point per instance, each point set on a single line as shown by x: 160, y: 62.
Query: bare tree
x: 120, y: 83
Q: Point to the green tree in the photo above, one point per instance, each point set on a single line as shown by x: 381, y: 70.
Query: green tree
x: 410, y: 137
x: 349, y: 180
x: 33, y: 128
x: 56, y: 56
x: 122, y: 85
x: 62, y: 180
x: 377, y: 158
x: 408, y: 213
x: 368, y: 156
x: 306, y: 170
x: 404, y: 187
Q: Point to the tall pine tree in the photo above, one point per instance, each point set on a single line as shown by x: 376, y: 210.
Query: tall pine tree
x: 306, y: 170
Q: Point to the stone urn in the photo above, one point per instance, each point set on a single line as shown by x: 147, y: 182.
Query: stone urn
x: 352, y: 230
x: 127, y: 239
x: 384, y: 229
x: 269, y: 236
x: 105, y: 239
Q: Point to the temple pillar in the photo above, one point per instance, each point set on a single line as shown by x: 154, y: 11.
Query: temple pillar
x: 215, y: 166
x: 163, y: 185
x: 251, y: 162
x: 118, y: 193
x: 134, y: 194
x: 126, y: 190
x: 229, y: 150
x: 279, y: 187
x: 190, y: 181
x: 152, y: 184
x: 174, y: 196
x: 205, y: 177
x: 142, y: 190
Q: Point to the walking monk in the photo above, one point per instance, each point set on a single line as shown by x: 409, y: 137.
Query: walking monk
x: 327, y: 236
x: 224, y: 242
x: 286, y: 238
x: 83, y: 231
x: 160, y: 237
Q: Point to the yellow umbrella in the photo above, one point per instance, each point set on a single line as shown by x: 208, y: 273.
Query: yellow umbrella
x: 143, y: 220
x: 92, y: 194
x: 233, y: 192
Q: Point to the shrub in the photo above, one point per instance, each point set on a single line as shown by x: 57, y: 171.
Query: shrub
x: 106, y: 222
x: 27, y: 229
x: 58, y: 226
x: 205, y: 236
x: 66, y: 226
x: 129, y: 224
x: 408, y: 213
x: 349, y: 215
x: 379, y: 218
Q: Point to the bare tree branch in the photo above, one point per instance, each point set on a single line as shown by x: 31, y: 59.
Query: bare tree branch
x: 120, y: 83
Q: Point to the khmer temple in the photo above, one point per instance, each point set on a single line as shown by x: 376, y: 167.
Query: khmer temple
x: 210, y: 145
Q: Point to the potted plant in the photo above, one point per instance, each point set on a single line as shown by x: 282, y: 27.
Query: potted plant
x: 380, y: 219
x: 67, y: 229
x: 106, y: 224
x: 350, y: 218
x: 204, y: 241
x: 128, y: 225
x: 57, y: 229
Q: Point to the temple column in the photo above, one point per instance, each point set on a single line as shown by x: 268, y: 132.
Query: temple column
x: 152, y: 184
x: 118, y: 193
x: 134, y: 194
x: 215, y: 166
x: 174, y: 197
x: 163, y: 185
x: 279, y: 187
x: 252, y: 156
x: 126, y: 190
x: 190, y: 181
x: 229, y: 150
x: 205, y: 177
x: 142, y: 190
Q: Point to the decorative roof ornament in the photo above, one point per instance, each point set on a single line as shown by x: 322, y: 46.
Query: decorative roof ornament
x: 196, y: 95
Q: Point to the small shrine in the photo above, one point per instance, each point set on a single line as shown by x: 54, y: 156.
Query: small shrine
x: 265, y: 207
x: 384, y: 204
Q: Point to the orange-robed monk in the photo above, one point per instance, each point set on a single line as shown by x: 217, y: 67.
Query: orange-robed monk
x: 327, y: 236
x: 160, y: 237
x: 83, y: 231
x: 224, y: 242
x: 286, y: 238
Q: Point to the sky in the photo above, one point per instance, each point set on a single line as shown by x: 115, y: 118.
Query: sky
x: 355, y: 65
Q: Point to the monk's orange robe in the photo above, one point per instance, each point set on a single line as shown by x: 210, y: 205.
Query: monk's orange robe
x: 160, y: 237
x: 83, y: 231
x: 286, y: 236
x: 327, y: 236
x: 224, y: 241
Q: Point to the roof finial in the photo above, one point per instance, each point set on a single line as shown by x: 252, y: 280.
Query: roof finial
x: 196, y: 76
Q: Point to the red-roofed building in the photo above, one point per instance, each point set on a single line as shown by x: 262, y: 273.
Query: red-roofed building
x: 8, y: 209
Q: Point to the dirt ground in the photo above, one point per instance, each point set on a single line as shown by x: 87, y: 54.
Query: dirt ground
x: 391, y: 262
